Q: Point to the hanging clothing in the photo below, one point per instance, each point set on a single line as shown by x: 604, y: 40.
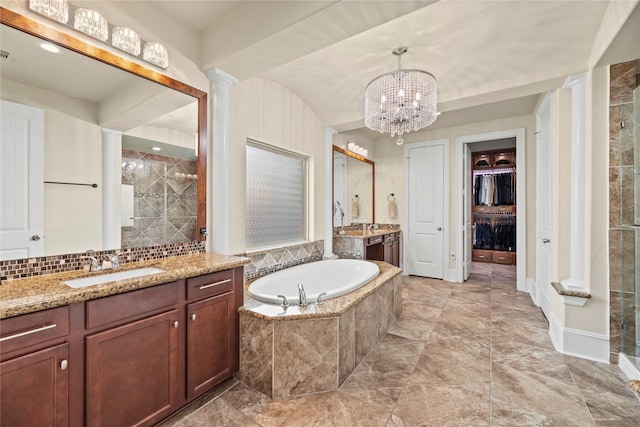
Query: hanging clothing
x: 495, y: 234
x: 494, y: 189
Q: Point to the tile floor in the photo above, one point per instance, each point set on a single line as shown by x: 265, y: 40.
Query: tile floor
x: 472, y: 354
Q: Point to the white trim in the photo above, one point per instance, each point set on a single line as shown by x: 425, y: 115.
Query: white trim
x: 628, y: 368
x: 405, y: 216
x: 521, y: 199
x: 578, y: 343
x: 531, y: 289
x: 451, y: 274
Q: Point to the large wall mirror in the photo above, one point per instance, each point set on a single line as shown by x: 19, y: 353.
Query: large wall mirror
x: 88, y: 96
x: 353, y: 188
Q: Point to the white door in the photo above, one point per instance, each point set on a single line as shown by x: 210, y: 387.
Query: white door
x: 426, y: 210
x: 339, y: 189
x: 21, y: 181
x: 466, y: 216
x: 544, y: 205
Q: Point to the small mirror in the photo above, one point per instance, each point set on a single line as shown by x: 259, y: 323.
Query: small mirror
x: 353, y: 188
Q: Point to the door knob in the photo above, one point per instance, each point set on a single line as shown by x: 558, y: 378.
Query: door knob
x: 545, y: 240
x: 35, y: 237
x: 439, y: 228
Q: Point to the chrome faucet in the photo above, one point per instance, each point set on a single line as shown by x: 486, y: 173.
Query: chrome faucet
x: 95, y: 264
x: 302, y: 296
x: 114, y: 259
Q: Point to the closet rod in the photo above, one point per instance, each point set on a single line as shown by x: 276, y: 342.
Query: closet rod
x: 71, y: 183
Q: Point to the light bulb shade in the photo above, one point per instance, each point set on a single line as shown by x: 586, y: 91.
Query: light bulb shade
x: 91, y: 23
x: 156, y: 54
x: 126, y: 39
x: 58, y: 10
x: 401, y: 101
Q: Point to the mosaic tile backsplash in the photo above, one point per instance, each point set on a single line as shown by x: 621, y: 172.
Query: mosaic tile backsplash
x: 29, y: 267
x: 268, y: 261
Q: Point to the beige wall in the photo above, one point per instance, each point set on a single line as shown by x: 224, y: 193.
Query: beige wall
x: 390, y: 172
x: 267, y: 112
x: 73, y: 153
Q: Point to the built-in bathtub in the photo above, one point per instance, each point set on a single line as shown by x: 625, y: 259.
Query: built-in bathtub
x: 289, y: 351
x: 329, y: 278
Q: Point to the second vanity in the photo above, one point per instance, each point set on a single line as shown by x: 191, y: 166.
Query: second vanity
x: 382, y: 244
x: 129, y: 352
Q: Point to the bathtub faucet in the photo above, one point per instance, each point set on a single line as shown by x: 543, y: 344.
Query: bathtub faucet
x: 302, y: 296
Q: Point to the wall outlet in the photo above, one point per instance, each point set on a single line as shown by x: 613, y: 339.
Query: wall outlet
x: 452, y: 255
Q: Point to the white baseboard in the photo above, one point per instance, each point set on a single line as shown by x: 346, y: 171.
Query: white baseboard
x: 452, y: 275
x: 531, y: 288
x: 578, y: 343
x: 628, y: 368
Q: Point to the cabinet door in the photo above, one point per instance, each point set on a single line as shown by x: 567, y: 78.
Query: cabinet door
x: 395, y: 253
x: 131, y: 372
x: 210, y: 344
x: 34, y: 389
x: 388, y: 252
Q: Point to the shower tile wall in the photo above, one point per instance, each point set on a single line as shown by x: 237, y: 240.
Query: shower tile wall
x: 623, y: 241
x: 164, y: 199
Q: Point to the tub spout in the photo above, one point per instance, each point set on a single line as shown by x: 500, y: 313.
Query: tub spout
x: 285, y: 303
x: 320, y: 300
x: 302, y: 296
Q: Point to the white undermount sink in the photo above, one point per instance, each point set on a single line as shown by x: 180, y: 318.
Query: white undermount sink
x: 112, y: 277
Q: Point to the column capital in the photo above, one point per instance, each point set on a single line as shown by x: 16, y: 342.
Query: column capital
x: 110, y: 132
x: 574, y: 80
x: 328, y: 132
x: 218, y: 76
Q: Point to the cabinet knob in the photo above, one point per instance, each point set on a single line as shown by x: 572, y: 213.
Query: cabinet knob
x: 64, y: 364
x: 193, y: 317
x: 175, y: 324
x: 439, y: 228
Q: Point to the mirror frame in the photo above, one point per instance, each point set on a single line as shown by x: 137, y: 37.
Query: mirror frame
x: 373, y: 178
x: 36, y: 29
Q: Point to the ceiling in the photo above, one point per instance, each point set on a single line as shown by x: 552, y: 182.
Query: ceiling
x: 491, y: 58
x: 494, y: 54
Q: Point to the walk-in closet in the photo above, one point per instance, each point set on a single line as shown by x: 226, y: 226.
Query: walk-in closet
x: 494, y: 203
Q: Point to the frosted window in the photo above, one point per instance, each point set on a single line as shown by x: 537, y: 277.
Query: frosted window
x: 276, y: 196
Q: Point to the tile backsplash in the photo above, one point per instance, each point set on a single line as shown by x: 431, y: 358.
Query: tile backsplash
x: 37, y: 266
x: 268, y: 261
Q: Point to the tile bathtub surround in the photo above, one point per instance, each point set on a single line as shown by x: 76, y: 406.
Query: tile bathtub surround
x: 38, y: 266
x: 283, y: 358
x: 272, y: 260
x: 452, y: 359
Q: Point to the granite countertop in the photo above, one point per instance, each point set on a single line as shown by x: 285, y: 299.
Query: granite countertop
x: 370, y: 233
x: 332, y: 307
x: 37, y: 293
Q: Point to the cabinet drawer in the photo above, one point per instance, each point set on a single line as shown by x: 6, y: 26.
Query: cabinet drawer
x: 34, y: 328
x: 210, y: 284
x: 481, y: 256
x: 374, y: 240
x: 125, y: 307
x: 390, y: 237
x: 502, y: 257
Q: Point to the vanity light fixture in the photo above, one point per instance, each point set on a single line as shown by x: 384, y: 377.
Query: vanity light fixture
x: 355, y: 148
x: 156, y: 54
x: 91, y: 23
x: 400, y: 101
x: 126, y: 39
x: 58, y: 10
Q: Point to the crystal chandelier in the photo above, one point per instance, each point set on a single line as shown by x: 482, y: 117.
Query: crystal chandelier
x: 91, y: 23
x: 126, y: 39
x: 58, y: 10
x: 400, y: 101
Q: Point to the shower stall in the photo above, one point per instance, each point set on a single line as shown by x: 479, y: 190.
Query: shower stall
x: 627, y: 174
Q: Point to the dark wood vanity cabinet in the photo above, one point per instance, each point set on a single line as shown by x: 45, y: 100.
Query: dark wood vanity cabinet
x: 34, y: 379
x: 129, y: 359
x: 383, y: 248
x: 212, y: 330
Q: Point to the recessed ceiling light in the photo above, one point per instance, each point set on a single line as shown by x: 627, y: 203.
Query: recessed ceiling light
x: 50, y: 47
x: 156, y: 148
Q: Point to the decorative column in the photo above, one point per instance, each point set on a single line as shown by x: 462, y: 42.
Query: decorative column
x: 111, y: 188
x: 578, y: 256
x: 218, y: 164
x: 328, y: 193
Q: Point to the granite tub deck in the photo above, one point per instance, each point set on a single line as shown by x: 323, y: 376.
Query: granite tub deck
x: 38, y: 293
x: 311, y: 349
x: 351, y: 244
